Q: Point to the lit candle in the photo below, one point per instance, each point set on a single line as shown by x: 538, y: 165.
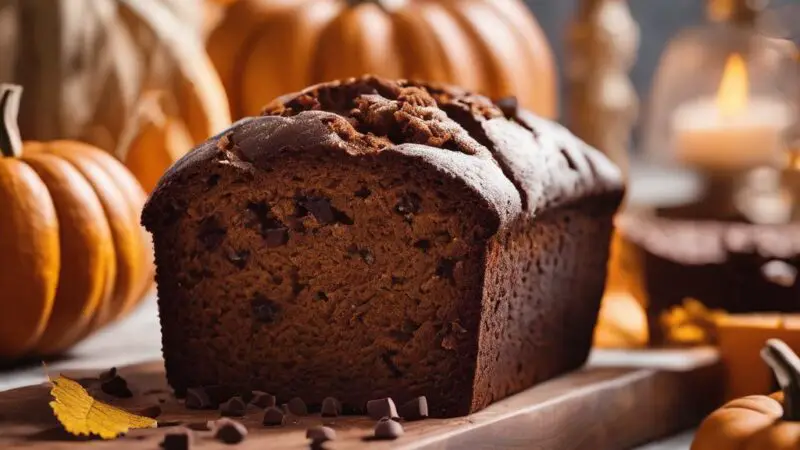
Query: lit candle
x: 731, y: 131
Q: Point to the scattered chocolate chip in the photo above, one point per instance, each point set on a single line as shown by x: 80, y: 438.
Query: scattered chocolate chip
x: 367, y: 256
x: 416, y: 409
x: 274, y: 232
x: 331, y: 407
x: 445, y: 269
x: 220, y: 393
x: 319, y: 207
x: 273, y: 416
x: 178, y: 440
x: 117, y: 387
x: 320, y: 434
x: 408, y: 205
x: 211, y: 233
x: 235, y: 407
x: 107, y: 374
x: 297, y: 407
x: 162, y: 400
x: 213, y: 180
x: 262, y: 399
x: 383, y: 407
x: 264, y: 309
x: 229, y: 431
x: 509, y: 106
x: 423, y: 244
x: 197, y: 398
x: 388, y: 429
x: 363, y: 192
x: 238, y: 258
x: 152, y: 411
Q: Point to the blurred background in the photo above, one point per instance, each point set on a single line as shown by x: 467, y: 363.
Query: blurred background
x: 659, y: 21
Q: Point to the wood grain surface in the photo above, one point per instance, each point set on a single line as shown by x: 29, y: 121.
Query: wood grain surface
x: 598, y: 407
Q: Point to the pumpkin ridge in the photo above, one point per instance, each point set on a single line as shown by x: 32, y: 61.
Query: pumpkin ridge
x: 538, y: 95
x: 241, y: 61
x: 85, y: 240
x: 123, y: 228
x: 29, y: 280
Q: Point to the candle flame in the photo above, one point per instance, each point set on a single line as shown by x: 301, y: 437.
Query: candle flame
x: 732, y: 94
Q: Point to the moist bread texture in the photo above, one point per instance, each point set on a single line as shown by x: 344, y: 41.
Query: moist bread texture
x: 371, y: 238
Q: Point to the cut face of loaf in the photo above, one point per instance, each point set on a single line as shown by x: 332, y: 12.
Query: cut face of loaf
x: 368, y: 239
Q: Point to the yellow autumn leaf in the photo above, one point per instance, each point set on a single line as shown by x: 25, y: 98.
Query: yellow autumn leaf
x: 80, y: 414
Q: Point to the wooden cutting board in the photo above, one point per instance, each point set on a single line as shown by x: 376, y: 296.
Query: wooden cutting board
x: 620, y: 400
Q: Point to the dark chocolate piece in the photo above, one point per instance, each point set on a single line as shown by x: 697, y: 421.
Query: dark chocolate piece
x: 180, y: 439
x: 262, y: 399
x: 273, y: 417
x: 383, y: 407
x: 117, y: 387
x: 197, y: 398
x: 107, y: 374
x: 235, y: 407
x: 320, y: 434
x: 416, y: 409
x: 229, y: 431
x: 297, y: 407
x: 331, y: 407
x: 388, y: 429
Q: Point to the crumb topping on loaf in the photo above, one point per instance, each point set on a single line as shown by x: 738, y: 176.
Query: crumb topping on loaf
x: 463, y: 134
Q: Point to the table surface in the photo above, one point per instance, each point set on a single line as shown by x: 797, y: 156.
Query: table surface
x: 137, y: 339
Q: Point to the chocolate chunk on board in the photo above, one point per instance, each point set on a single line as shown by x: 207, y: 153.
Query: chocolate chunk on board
x: 262, y: 399
x: 331, y: 407
x: 234, y: 407
x: 297, y: 407
x: 197, y: 398
x: 107, y: 374
x: 117, y: 387
x: 383, y: 407
x: 273, y: 417
x: 388, y: 429
x: 416, y: 409
x: 320, y: 434
x: 179, y: 439
x: 229, y: 431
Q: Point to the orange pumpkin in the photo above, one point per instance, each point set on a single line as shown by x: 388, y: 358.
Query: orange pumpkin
x: 73, y: 254
x: 759, y: 422
x: 265, y: 48
x: 155, y: 139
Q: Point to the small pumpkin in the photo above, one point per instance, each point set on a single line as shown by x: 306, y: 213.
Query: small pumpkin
x: 759, y: 422
x: 265, y: 48
x: 73, y: 254
x: 154, y: 140
x: 85, y: 63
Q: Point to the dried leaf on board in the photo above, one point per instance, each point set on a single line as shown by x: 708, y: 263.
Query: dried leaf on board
x: 80, y: 414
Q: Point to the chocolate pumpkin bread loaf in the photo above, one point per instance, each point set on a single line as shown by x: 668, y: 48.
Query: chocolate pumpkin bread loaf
x: 371, y: 238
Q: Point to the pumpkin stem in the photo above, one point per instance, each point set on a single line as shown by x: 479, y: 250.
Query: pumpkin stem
x: 786, y: 366
x: 10, y: 140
